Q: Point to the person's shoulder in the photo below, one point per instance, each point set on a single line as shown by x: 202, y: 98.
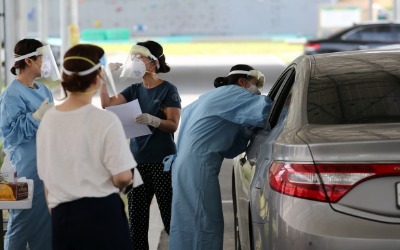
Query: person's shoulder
x: 100, y: 116
x: 41, y: 85
x: 229, y: 89
x: 105, y: 114
x: 134, y: 86
x: 11, y: 91
x: 50, y: 115
x: 167, y: 84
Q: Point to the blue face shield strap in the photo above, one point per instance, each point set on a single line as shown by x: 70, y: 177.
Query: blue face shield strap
x: 103, y: 60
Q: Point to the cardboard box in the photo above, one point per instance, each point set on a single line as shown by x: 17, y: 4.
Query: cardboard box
x: 13, y: 191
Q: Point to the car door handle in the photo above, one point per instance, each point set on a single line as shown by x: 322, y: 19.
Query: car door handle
x: 362, y: 47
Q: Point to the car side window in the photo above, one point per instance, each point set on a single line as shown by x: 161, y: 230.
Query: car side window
x: 380, y: 33
x: 281, y: 102
x: 396, y: 30
x: 356, y: 98
x: 276, y: 88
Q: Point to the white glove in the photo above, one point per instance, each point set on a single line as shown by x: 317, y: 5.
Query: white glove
x: 148, y: 119
x: 114, y: 66
x: 39, y: 113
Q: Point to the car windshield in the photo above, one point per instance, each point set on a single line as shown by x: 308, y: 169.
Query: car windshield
x: 355, y: 97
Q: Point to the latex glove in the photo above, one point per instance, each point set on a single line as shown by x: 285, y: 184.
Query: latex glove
x: 148, y: 119
x: 38, y: 115
x: 114, y: 66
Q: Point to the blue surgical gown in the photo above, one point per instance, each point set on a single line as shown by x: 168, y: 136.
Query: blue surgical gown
x: 18, y: 133
x: 212, y: 128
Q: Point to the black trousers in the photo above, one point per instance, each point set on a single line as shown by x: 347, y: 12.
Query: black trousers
x: 91, y: 223
x: 158, y: 183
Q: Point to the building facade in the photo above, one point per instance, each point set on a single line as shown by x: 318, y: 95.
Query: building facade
x: 191, y: 17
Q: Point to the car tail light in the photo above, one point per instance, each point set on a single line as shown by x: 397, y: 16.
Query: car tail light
x: 312, y: 46
x: 324, y: 182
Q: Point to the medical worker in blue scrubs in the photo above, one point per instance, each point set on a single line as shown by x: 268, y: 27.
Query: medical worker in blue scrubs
x: 22, y: 105
x: 212, y: 128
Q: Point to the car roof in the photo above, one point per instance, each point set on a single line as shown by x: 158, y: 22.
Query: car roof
x: 358, y: 61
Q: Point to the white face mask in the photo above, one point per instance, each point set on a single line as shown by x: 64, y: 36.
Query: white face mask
x: 253, y: 89
x: 138, y: 68
x: 45, y: 69
x: 135, y: 68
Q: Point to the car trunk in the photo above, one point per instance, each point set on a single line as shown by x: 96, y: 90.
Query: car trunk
x: 355, y: 150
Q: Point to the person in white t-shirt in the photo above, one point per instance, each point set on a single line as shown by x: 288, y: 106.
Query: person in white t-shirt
x: 84, y: 160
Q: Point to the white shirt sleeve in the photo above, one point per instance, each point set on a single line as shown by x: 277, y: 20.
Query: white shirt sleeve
x: 117, y: 156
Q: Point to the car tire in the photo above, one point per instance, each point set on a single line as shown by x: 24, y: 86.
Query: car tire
x: 236, y: 221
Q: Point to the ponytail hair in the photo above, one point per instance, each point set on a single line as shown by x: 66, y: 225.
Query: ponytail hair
x: 232, y: 79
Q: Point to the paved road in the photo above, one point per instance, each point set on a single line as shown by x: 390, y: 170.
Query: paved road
x: 194, y: 75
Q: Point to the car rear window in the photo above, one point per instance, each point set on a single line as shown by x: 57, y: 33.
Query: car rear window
x: 354, y: 98
x: 381, y: 33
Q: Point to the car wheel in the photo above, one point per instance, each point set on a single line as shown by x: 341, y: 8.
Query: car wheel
x: 236, y: 224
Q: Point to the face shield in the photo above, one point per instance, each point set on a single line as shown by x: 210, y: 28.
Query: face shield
x: 253, y: 73
x: 49, y: 69
x: 134, y: 67
x: 102, y: 64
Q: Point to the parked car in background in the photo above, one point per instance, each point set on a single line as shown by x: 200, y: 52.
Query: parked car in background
x: 324, y: 173
x: 357, y: 37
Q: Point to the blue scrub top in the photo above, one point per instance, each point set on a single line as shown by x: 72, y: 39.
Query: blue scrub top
x: 18, y: 132
x: 17, y: 126
x: 154, y: 147
x: 214, y: 124
x: 212, y: 128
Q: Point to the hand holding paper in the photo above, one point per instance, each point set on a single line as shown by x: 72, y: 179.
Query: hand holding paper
x: 148, y: 120
x: 124, y: 113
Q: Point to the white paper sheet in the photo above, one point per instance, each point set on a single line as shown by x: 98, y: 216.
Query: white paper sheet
x: 126, y: 113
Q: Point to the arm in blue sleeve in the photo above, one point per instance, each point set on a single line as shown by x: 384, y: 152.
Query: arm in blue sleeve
x: 247, y: 109
x: 16, y: 122
x: 239, y: 144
